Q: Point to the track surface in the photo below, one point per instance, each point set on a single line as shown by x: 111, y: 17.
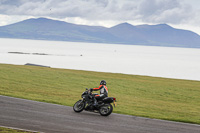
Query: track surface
x: 51, y: 118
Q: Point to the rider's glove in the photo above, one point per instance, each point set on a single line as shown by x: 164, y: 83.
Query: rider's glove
x: 91, y: 89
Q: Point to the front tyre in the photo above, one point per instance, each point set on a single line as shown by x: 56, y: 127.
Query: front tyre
x: 79, y: 106
x: 106, y: 109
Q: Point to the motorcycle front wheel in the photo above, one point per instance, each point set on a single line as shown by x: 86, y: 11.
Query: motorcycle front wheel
x: 79, y: 106
x: 106, y: 109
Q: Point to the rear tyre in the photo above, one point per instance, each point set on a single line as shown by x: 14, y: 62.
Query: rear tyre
x: 106, y: 109
x: 79, y: 106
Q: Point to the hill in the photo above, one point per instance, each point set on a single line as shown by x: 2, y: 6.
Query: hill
x: 150, y: 35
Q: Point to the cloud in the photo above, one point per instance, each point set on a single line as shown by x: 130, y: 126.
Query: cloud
x: 147, y: 11
x: 164, y: 11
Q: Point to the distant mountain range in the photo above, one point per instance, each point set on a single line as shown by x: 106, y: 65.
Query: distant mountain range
x: 151, y: 35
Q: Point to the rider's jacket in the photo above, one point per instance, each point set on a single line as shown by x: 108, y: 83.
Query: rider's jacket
x: 103, y: 90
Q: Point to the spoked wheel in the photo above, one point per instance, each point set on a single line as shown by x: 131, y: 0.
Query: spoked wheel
x: 106, y: 109
x: 79, y: 106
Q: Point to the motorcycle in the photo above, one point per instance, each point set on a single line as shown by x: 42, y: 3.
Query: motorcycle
x: 103, y: 107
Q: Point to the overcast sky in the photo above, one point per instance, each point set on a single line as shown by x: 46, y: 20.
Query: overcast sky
x: 183, y: 14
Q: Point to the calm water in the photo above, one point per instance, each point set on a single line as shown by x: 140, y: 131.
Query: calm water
x: 180, y: 63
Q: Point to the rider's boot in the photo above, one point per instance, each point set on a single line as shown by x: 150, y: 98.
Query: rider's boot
x: 95, y: 103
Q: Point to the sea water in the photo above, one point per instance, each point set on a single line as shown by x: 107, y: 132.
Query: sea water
x: 169, y: 62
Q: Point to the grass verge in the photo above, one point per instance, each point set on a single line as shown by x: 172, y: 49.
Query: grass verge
x: 160, y: 98
x: 8, y: 130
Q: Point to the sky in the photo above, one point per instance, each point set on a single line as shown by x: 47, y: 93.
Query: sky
x: 181, y: 14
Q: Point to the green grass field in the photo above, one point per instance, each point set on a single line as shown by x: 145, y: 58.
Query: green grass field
x: 161, y: 98
x: 7, y: 130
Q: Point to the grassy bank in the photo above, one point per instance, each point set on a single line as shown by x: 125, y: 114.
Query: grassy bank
x: 7, y: 130
x: 160, y: 98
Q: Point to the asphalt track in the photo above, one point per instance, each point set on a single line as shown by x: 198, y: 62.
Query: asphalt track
x: 52, y: 118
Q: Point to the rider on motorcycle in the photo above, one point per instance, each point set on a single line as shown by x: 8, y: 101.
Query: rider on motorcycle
x: 103, y: 92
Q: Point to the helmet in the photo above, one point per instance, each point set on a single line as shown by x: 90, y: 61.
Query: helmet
x: 103, y: 82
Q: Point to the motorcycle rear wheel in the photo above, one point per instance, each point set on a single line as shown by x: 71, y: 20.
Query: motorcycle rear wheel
x: 106, y: 109
x: 79, y: 106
